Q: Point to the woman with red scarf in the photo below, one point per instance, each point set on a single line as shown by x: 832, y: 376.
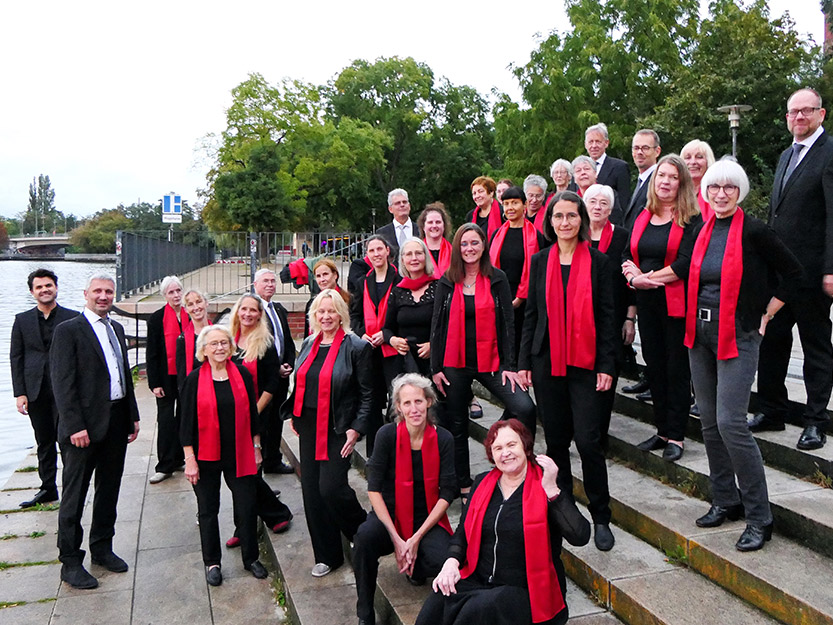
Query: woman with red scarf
x: 368, y: 313
x: 473, y: 338
x: 504, y: 564
x: 410, y: 483
x: 326, y: 276
x: 486, y: 212
x: 741, y: 274
x: 219, y: 430
x: 196, y: 305
x: 568, y: 351
x: 330, y: 409
x: 511, y: 249
x: 698, y: 157
x: 658, y: 254
x: 435, y: 223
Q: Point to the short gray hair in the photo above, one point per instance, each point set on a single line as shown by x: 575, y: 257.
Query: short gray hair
x: 199, y: 350
x: 584, y: 159
x: 725, y: 171
x: 601, y: 128
x: 99, y: 276
x: 429, y: 260
x: 396, y: 192
x: 417, y: 381
x: 534, y: 180
x: 599, y: 189
x: 262, y: 272
x: 652, y: 133
x: 167, y: 282
x: 562, y: 162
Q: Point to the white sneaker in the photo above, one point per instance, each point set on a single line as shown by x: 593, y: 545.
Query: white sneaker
x: 159, y: 477
x: 320, y: 570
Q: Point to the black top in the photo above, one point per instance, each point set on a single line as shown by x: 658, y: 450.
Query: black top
x: 181, y: 374
x: 623, y: 295
x: 313, y: 373
x: 471, y: 330
x: 483, y: 222
x: 376, y: 292
x: 156, y: 354
x: 381, y: 471
x: 46, y: 325
x: 654, y: 242
x: 268, y: 370
x: 435, y: 254
x: 512, y: 255
x: 408, y: 318
x: 710, y: 270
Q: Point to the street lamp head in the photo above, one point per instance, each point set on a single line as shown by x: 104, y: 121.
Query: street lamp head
x: 734, y: 111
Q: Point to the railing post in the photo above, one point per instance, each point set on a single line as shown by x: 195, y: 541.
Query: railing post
x: 119, y: 277
x: 252, y: 259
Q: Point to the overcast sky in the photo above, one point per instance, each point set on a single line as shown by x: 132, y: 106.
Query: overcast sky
x: 111, y: 99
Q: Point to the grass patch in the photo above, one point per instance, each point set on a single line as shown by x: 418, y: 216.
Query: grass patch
x: 41, y: 507
x: 28, y: 469
x: 15, y: 604
x: 821, y: 479
x: 13, y: 565
x: 677, y: 556
x: 37, y: 534
x: 10, y: 490
x: 8, y: 536
x: 278, y: 592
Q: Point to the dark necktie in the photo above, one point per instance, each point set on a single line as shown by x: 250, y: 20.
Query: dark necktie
x: 797, y: 147
x: 114, y: 343
x: 273, y: 315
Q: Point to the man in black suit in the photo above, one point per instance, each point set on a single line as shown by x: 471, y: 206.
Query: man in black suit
x: 401, y: 228
x: 29, y: 356
x: 645, y: 149
x: 801, y: 212
x: 265, y: 286
x: 611, y: 171
x: 97, y: 418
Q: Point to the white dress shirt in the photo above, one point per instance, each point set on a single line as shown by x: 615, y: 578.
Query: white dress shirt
x: 110, y: 357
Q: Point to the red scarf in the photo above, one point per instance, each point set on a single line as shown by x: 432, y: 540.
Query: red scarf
x: 404, y: 483
x: 540, y: 219
x: 607, y: 237
x: 488, y: 360
x: 444, y: 259
x: 374, y: 318
x: 675, y: 291
x: 172, y: 330
x: 731, y: 273
x: 572, y: 333
x: 325, y: 378
x: 494, y: 218
x: 190, y: 347
x: 705, y: 208
x: 208, y: 421
x: 414, y: 284
x: 299, y: 271
x: 530, y: 249
x: 545, y: 596
x: 251, y: 365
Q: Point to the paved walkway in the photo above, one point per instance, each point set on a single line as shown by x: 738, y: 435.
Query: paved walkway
x: 156, y: 534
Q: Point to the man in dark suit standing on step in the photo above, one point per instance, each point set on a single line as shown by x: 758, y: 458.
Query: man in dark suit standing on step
x: 265, y: 286
x: 97, y: 418
x: 610, y: 171
x: 801, y: 212
x: 29, y: 356
x: 401, y: 228
x: 645, y: 149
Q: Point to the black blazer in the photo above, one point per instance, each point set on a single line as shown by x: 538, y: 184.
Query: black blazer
x: 504, y: 321
x: 534, y: 340
x: 616, y: 174
x: 357, y: 298
x: 623, y: 295
x: 388, y: 232
x: 802, y: 214
x: 28, y: 355
x: 156, y: 354
x: 638, y: 201
x: 81, y: 381
x: 351, y: 388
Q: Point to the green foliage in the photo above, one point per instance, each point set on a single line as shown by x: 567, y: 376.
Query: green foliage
x: 97, y: 235
x: 27, y: 469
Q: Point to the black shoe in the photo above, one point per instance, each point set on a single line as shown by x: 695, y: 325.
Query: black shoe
x: 78, y: 577
x: 366, y: 622
x: 42, y: 496
x: 603, y: 537
x: 640, y: 386
x: 257, y: 569
x: 213, y: 575
x: 111, y: 562
x: 754, y: 537
x: 644, y: 396
x: 672, y: 452
x: 762, y: 423
x: 655, y: 442
x: 812, y: 438
x: 281, y: 468
x: 694, y: 411
x: 718, y: 514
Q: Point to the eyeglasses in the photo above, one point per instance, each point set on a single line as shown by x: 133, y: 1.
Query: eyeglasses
x: 563, y: 216
x: 216, y: 344
x: 534, y: 196
x: 728, y: 189
x: 643, y: 148
x: 806, y: 111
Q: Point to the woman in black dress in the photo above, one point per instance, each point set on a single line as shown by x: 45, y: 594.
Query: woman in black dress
x: 499, y: 570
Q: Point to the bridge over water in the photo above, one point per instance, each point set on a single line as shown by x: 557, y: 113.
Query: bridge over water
x: 39, y: 244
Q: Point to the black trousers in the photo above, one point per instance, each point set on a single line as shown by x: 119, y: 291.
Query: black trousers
x: 243, y: 494
x: 43, y: 413
x: 379, y: 406
x: 330, y: 504
x: 456, y: 415
x: 267, y: 506
x: 666, y: 359
x: 169, y: 453
x: 372, y: 541
x: 571, y: 409
x: 272, y: 434
x: 811, y: 311
x: 105, y: 458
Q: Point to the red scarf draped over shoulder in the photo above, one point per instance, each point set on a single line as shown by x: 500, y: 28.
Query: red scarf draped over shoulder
x: 530, y: 249
x: 494, y: 218
x: 607, y: 237
x: 705, y: 208
x: 171, y: 331
x: 675, y: 291
x: 488, y: 360
x: 374, y: 318
x: 325, y: 378
x: 545, y: 597
x: 444, y: 259
x: 191, y: 347
x: 731, y: 273
x: 208, y: 420
x: 404, y: 482
x: 251, y: 365
x: 572, y: 326
x: 540, y: 217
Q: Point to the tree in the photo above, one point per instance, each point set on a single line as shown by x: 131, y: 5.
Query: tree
x: 4, y: 236
x: 41, y: 208
x: 97, y: 235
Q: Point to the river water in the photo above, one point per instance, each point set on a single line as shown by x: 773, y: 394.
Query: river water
x: 16, y: 437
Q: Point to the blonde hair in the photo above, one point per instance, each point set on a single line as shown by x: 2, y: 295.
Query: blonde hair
x: 201, y: 340
x: 259, y: 339
x: 338, y: 304
x: 429, y: 260
x: 686, y: 206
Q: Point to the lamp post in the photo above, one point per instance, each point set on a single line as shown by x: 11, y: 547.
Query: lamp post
x: 734, y: 111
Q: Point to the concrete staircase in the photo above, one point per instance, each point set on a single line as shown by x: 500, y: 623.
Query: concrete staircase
x: 663, y: 569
